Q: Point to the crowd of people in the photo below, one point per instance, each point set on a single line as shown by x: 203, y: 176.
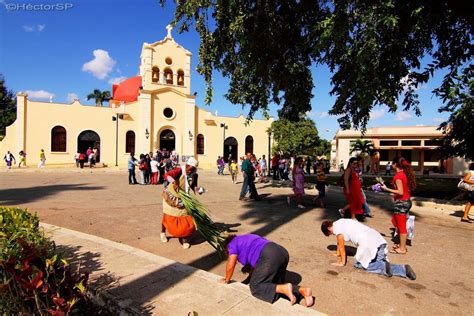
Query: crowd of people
x: 151, y: 167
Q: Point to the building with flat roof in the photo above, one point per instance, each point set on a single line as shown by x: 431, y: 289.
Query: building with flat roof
x: 417, y: 144
x: 154, y: 110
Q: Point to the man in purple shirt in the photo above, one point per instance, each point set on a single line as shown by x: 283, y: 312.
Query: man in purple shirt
x: 267, y: 262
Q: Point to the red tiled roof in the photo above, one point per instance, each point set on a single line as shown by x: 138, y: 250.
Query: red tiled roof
x: 127, y: 90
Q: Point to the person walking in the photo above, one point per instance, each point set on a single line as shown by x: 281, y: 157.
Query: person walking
x: 82, y: 159
x: 148, y: 169
x: 371, y: 254
x: 249, y: 177
x: 91, y: 159
x: 42, y: 158
x: 403, y: 184
x: 321, y: 185
x: 142, y: 166
x: 468, y: 178
x: 76, y: 158
x: 154, y: 170
x: 298, y: 183
x: 263, y: 168
x: 132, y: 162
x: 388, y: 167
x: 268, y: 262
x: 9, y: 158
x: 234, y: 170
x: 22, y: 155
x: 341, y: 166
x: 274, y: 166
x: 220, y: 165
x: 365, y: 205
x: 352, y: 189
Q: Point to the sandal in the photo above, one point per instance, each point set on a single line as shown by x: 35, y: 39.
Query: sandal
x: 397, y: 251
x: 464, y: 220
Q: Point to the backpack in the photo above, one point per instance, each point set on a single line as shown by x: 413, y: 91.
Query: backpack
x: 143, y: 166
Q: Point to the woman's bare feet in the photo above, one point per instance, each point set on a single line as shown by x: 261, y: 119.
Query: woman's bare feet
x: 287, y: 290
x: 308, y: 296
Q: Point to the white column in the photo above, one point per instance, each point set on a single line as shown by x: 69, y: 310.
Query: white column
x: 21, y: 117
x: 144, y: 144
x: 189, y: 123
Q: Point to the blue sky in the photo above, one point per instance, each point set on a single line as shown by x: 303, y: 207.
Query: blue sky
x: 43, y: 50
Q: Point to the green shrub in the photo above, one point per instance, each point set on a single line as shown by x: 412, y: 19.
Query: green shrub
x: 34, y: 279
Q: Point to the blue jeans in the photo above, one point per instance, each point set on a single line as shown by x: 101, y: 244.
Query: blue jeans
x: 378, y: 264
x: 365, y: 206
x: 245, y: 186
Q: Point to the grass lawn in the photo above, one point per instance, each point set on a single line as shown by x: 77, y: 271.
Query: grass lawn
x: 438, y: 188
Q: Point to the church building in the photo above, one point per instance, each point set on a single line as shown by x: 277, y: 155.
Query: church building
x: 155, y: 110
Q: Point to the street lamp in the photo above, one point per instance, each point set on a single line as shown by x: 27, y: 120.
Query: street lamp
x: 116, y: 119
x: 224, y: 127
x: 147, y: 133
x: 190, y: 136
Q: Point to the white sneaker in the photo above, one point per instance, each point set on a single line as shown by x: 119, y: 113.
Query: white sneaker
x: 341, y: 212
x: 301, y: 206
x: 186, y: 245
x: 163, y: 237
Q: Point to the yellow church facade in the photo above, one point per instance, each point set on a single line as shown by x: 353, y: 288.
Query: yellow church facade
x: 152, y: 111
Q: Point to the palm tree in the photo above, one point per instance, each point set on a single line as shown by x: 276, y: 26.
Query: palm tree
x: 363, y: 147
x: 99, y: 96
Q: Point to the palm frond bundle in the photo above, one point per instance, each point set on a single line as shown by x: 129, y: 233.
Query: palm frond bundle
x: 211, y: 232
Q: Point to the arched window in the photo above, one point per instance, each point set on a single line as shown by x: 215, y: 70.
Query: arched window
x: 155, y: 75
x: 169, y: 76
x: 58, y: 139
x: 130, y: 142
x: 200, y: 144
x: 180, y: 78
x: 249, y: 144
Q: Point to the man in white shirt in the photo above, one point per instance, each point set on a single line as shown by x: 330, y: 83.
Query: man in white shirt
x: 371, y: 252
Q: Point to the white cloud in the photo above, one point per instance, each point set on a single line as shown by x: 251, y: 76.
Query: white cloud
x: 420, y: 125
x: 101, y: 65
x: 28, y: 28
x: 34, y: 28
x: 323, y: 114
x: 402, y: 116
x: 117, y: 80
x: 71, y: 97
x: 438, y: 120
x: 377, y: 114
x: 39, y: 94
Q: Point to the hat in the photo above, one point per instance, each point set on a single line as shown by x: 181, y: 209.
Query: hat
x: 192, y: 162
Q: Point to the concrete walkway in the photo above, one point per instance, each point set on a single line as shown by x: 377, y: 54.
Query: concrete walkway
x: 146, y: 284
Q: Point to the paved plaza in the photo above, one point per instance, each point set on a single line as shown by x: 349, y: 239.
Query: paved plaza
x: 100, y: 202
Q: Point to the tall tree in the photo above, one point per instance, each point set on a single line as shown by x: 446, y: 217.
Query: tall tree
x: 7, y: 106
x: 99, y: 96
x: 374, y: 50
x: 295, y: 137
x: 363, y: 148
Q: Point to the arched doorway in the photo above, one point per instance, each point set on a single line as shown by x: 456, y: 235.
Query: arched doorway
x: 230, y: 148
x: 88, y: 139
x: 167, y: 140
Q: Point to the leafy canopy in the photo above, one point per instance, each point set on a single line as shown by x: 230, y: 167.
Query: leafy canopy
x: 374, y: 50
x: 7, y: 106
x: 295, y: 137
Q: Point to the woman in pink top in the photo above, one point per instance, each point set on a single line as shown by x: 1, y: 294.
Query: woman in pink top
x: 298, y: 183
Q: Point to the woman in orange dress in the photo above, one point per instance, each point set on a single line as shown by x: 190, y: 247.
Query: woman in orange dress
x: 176, y: 220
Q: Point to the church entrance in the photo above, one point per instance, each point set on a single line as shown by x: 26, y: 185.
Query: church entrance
x: 88, y: 139
x: 231, y: 149
x: 167, y: 140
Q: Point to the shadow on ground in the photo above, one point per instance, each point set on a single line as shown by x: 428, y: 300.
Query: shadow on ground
x: 18, y: 196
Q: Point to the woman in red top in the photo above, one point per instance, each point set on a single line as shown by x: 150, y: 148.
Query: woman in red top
x: 403, y: 184
x: 352, y: 188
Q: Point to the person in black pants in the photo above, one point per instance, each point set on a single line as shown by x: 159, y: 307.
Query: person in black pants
x: 267, y: 262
